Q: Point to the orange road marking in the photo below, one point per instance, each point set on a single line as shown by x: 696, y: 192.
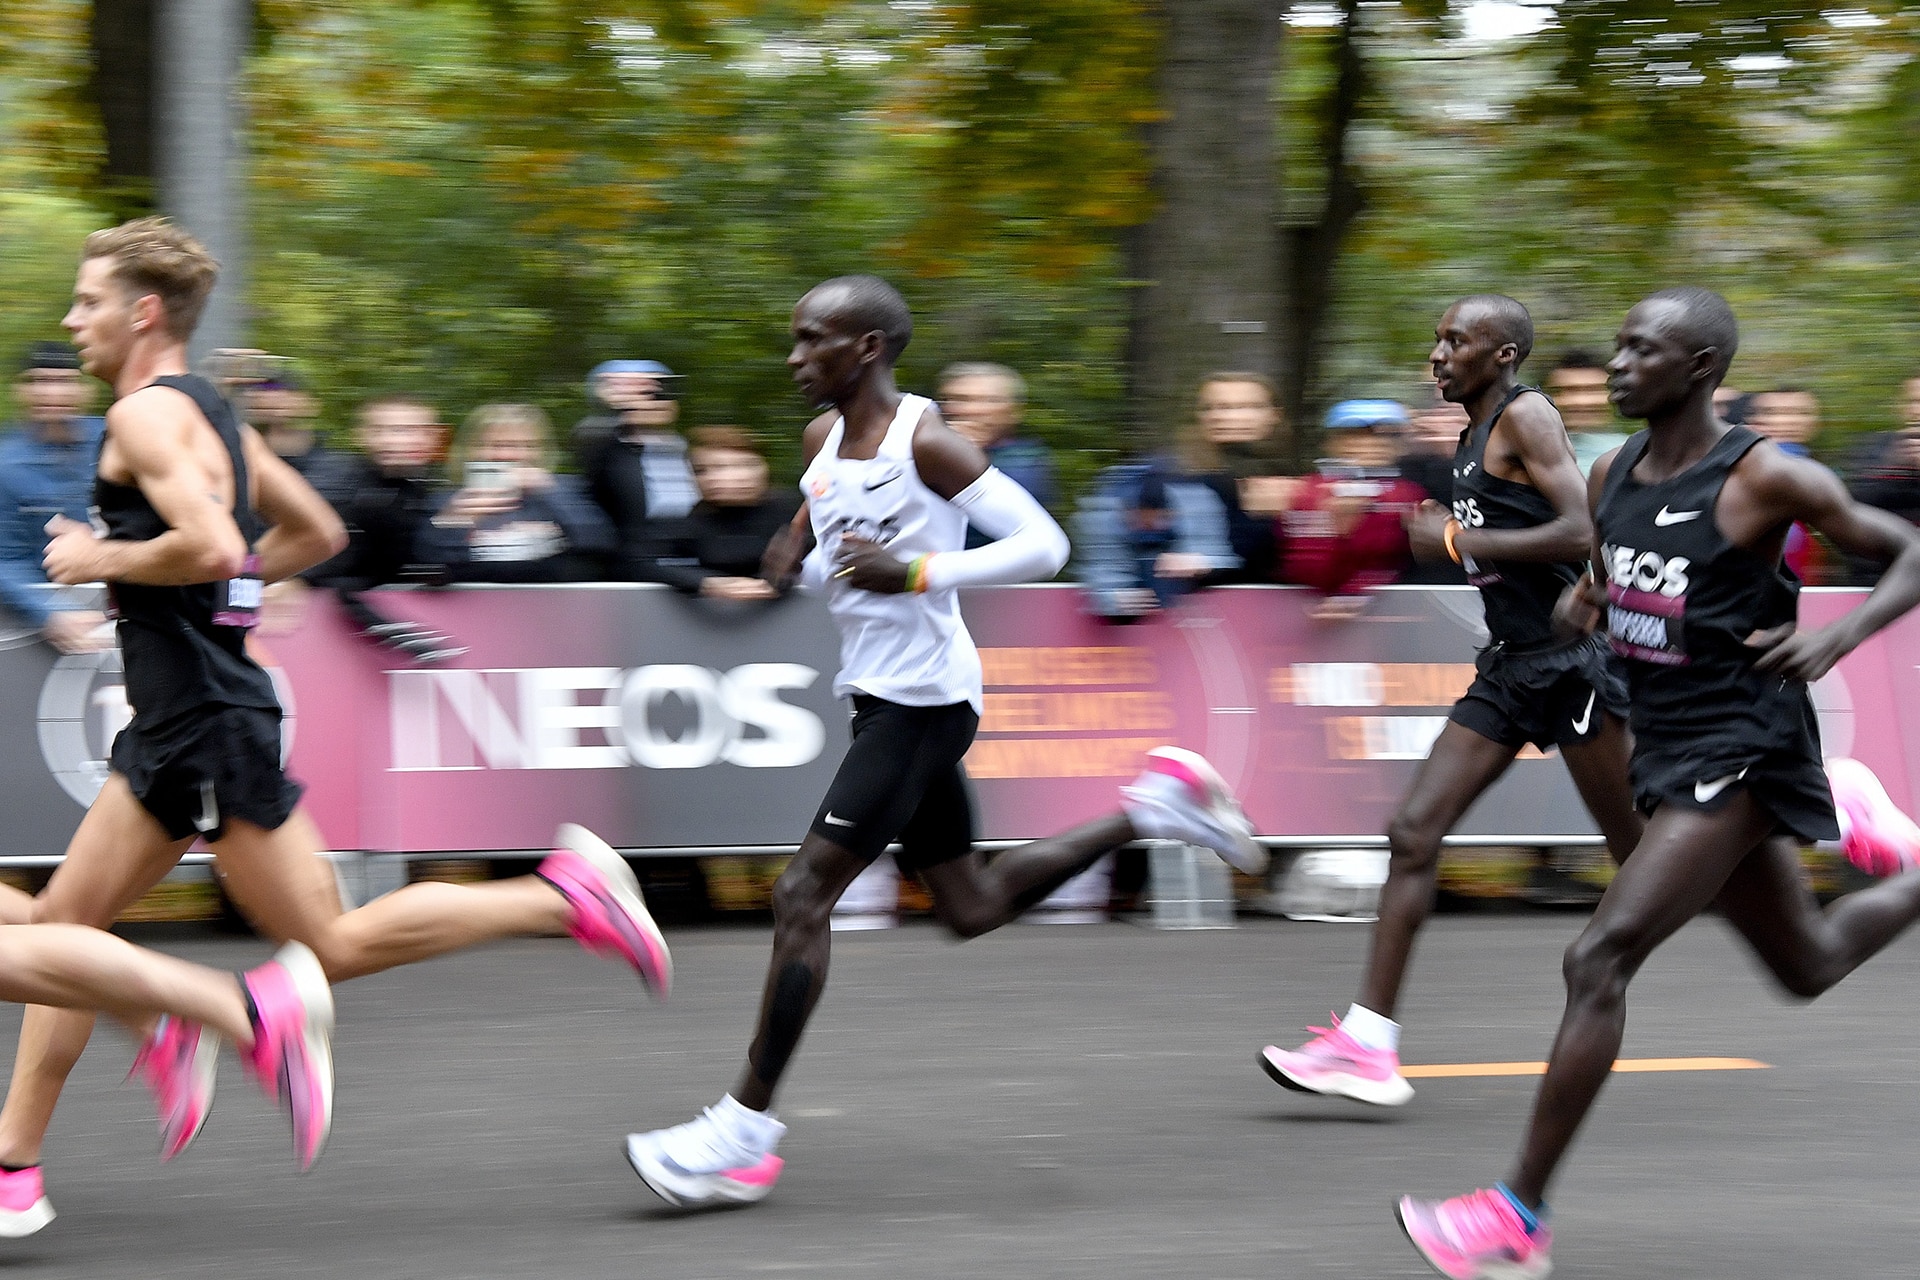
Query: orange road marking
x: 1446, y: 1070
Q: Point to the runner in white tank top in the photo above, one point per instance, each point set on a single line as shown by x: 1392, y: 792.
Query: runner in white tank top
x: 911, y: 648
x: 890, y: 492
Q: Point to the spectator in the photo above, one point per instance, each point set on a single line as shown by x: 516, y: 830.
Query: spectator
x: 1732, y: 406
x: 1431, y: 440
x: 1230, y: 448
x: 637, y: 471
x: 46, y: 469
x: 1346, y: 529
x: 1145, y: 536
x: 1886, y: 473
x: 715, y: 550
x: 514, y: 519
x: 1790, y: 417
x: 1577, y: 385
x: 283, y: 411
x: 985, y: 403
x: 390, y: 496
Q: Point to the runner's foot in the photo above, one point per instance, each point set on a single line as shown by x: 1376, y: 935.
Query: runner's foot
x: 1478, y: 1236
x: 1335, y: 1064
x: 177, y: 1061
x: 24, y: 1207
x: 609, y: 916
x: 1182, y: 797
x: 700, y: 1163
x: 1874, y: 834
x: 292, y: 1054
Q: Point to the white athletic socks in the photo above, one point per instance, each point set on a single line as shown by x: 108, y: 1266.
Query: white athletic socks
x: 1147, y: 803
x: 757, y: 1131
x: 1371, y: 1030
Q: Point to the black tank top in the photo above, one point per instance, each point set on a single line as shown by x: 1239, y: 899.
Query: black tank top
x: 1682, y: 601
x: 185, y: 647
x: 1518, y: 595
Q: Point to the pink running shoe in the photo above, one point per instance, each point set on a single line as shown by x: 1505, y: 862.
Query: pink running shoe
x: 1478, y: 1236
x: 24, y: 1207
x: 609, y: 916
x: 1337, y: 1065
x: 1874, y: 834
x: 177, y: 1060
x: 292, y: 1053
x: 1182, y: 797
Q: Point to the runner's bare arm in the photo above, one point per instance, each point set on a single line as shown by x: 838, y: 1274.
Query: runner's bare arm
x: 1581, y: 606
x: 1533, y: 432
x: 1780, y: 489
x: 780, y: 563
x: 303, y: 529
x: 153, y: 433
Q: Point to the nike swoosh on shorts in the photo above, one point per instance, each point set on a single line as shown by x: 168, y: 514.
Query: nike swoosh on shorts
x: 1586, y: 717
x: 1704, y: 792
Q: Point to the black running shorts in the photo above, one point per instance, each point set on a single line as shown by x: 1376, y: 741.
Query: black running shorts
x: 1549, y: 697
x: 902, y: 780
x: 196, y: 771
x: 1789, y: 782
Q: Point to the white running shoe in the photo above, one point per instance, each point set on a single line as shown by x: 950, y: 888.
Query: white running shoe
x: 1182, y: 797
x: 698, y: 1164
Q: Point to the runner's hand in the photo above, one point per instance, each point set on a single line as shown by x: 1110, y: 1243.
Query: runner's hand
x: 869, y: 566
x: 1427, y: 532
x: 70, y: 557
x: 1578, y: 611
x: 1799, y: 655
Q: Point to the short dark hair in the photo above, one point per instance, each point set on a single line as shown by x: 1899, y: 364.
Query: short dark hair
x: 398, y: 400
x: 49, y: 355
x: 869, y: 303
x: 1578, y: 358
x: 729, y: 439
x: 1509, y: 319
x: 1706, y: 320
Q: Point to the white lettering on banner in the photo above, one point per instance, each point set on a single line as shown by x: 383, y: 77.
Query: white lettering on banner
x: 1338, y: 684
x: 536, y: 718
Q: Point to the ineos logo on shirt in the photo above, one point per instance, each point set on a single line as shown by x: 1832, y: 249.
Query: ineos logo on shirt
x: 1646, y: 571
x: 1467, y: 512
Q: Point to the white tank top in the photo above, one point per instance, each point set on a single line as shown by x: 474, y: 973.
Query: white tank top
x: 912, y: 648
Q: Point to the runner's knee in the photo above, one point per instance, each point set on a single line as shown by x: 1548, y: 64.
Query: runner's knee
x: 800, y: 900
x: 1599, y: 965
x: 1413, y: 842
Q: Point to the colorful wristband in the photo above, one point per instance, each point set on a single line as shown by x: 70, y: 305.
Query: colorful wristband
x: 917, y: 573
x: 1451, y: 532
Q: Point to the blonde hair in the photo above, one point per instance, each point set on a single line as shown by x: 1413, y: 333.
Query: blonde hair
x: 1200, y: 455
x: 489, y: 416
x: 152, y: 255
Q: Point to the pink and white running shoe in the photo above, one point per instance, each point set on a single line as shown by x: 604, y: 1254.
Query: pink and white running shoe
x: 1478, y: 1236
x: 24, y: 1207
x: 609, y: 916
x: 292, y: 1053
x: 1182, y: 797
x: 177, y: 1061
x: 1333, y: 1063
x: 699, y: 1164
x: 1874, y: 834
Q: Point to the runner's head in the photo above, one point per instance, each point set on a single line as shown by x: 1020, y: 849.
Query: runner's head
x: 846, y: 330
x: 1673, y: 346
x: 144, y: 280
x: 1482, y: 339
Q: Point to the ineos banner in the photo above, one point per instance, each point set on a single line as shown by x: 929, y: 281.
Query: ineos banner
x: 670, y: 723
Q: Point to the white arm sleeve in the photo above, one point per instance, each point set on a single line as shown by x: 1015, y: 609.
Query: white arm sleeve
x: 1028, y: 546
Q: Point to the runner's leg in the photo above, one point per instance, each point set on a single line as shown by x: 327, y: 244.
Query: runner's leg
x: 119, y: 852
x: 1681, y: 865
x: 1807, y: 948
x: 1459, y: 769
x: 74, y: 967
x: 280, y: 881
x: 803, y: 901
x: 1599, y: 771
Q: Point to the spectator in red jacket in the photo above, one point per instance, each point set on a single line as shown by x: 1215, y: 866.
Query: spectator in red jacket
x: 1345, y: 526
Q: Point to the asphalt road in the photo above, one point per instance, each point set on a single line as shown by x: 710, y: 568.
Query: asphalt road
x: 1049, y: 1101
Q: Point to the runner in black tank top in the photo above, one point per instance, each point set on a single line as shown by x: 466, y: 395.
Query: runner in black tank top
x: 1693, y: 515
x: 201, y: 757
x: 1520, y: 528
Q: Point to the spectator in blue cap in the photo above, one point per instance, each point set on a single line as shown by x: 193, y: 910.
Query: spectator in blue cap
x: 46, y: 469
x: 1345, y: 525
x: 635, y: 462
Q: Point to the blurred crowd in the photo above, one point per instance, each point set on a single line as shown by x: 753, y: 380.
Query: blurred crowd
x: 631, y: 494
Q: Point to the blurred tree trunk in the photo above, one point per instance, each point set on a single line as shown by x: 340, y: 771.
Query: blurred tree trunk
x: 1312, y: 250
x: 123, y: 88
x: 1208, y: 261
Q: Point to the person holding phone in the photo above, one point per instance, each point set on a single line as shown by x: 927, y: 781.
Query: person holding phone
x: 513, y: 519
